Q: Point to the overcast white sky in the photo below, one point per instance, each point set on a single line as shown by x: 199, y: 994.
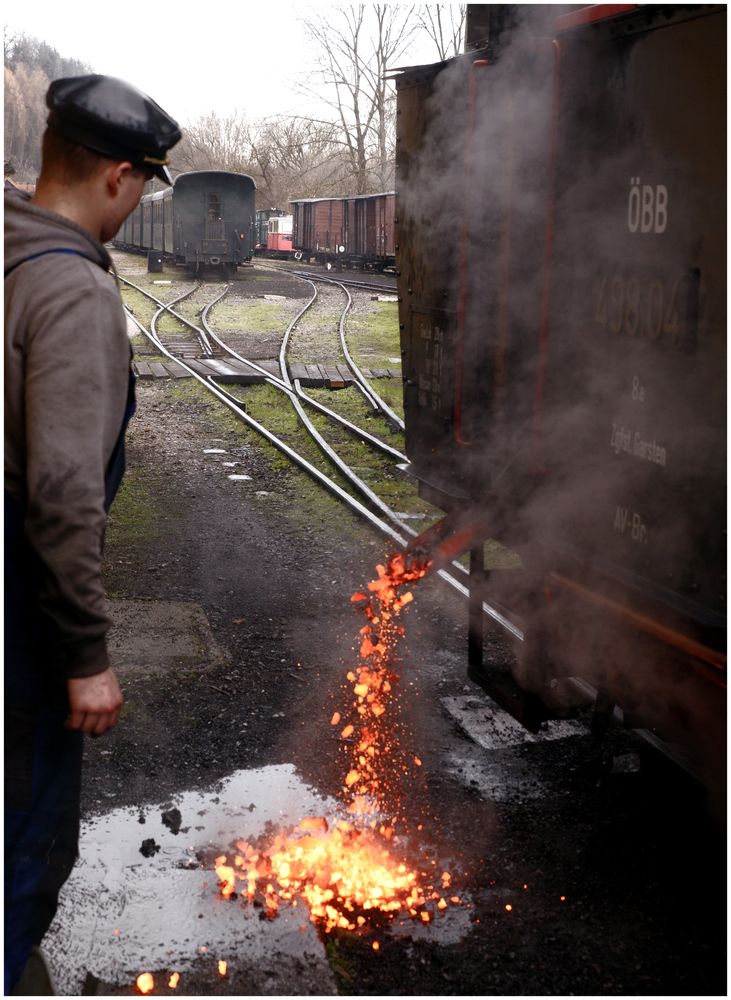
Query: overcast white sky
x: 222, y: 55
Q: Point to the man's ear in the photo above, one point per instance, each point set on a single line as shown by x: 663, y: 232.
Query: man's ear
x: 116, y: 174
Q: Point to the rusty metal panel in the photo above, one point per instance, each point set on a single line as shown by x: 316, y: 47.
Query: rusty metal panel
x: 567, y: 342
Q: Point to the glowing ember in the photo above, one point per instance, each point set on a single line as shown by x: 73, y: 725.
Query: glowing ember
x: 348, y: 870
x: 174, y: 980
x: 341, y: 874
x: 222, y: 967
x: 145, y: 983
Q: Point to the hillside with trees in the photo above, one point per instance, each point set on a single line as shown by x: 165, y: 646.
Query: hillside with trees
x: 30, y: 65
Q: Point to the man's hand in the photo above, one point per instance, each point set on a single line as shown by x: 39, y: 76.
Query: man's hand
x: 95, y: 702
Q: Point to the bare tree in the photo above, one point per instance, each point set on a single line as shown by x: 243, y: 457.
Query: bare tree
x: 214, y: 143
x: 287, y: 157
x: 358, y: 44
x: 24, y: 119
x: 30, y: 65
x: 15, y: 120
x: 444, y: 23
x: 293, y: 157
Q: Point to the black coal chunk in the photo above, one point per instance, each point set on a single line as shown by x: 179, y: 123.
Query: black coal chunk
x: 172, y: 820
x: 149, y: 848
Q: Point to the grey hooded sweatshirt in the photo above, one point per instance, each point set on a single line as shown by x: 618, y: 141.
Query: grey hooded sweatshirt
x: 67, y: 362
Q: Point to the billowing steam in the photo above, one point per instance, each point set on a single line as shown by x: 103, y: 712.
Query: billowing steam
x: 565, y: 358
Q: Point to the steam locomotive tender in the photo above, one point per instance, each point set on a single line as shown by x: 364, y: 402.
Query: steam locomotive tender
x: 356, y: 231
x: 562, y: 269
x: 206, y: 219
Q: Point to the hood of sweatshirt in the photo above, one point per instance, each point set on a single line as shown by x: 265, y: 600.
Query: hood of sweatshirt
x: 30, y: 230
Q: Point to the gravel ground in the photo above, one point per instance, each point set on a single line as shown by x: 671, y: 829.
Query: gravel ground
x: 612, y: 871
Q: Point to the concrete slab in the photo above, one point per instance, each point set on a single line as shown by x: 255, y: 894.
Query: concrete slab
x: 488, y: 725
x: 153, y: 636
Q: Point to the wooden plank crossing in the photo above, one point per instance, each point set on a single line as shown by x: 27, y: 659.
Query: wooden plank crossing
x: 236, y: 372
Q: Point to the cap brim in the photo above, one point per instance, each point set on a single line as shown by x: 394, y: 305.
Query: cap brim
x: 161, y: 171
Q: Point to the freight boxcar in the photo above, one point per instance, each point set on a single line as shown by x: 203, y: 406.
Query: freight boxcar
x: 562, y: 272
x: 317, y: 228
x: 356, y: 231
x: 368, y: 230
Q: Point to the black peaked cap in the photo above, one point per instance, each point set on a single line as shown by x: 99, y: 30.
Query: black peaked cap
x: 113, y: 118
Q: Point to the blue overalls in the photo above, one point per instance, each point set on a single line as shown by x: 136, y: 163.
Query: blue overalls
x: 42, y: 758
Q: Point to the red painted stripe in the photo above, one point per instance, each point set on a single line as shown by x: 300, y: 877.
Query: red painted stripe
x: 589, y: 15
x: 464, y: 261
x: 545, y: 307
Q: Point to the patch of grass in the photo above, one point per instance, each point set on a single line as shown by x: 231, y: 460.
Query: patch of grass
x: 134, y: 517
x: 146, y: 356
x: 219, y: 417
x: 373, y: 335
x: 249, y: 315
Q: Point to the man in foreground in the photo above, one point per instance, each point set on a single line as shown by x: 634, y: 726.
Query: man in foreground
x: 69, y: 393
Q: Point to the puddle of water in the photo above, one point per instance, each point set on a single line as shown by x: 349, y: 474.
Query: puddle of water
x: 123, y: 911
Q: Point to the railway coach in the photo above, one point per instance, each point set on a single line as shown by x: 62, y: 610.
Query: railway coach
x: 206, y: 219
x: 562, y: 270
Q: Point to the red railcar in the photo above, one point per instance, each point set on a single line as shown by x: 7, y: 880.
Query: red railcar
x: 279, y: 237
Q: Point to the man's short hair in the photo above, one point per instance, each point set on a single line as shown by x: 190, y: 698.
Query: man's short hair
x: 69, y: 162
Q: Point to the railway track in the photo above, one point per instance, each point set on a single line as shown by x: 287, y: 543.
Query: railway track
x: 387, y: 286
x: 370, y: 507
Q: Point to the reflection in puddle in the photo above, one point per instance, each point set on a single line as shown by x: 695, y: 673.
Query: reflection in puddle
x: 139, y: 900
